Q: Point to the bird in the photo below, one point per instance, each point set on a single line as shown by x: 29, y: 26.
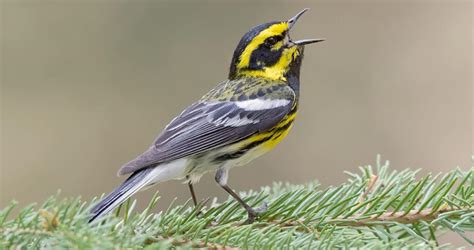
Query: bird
x: 242, y: 118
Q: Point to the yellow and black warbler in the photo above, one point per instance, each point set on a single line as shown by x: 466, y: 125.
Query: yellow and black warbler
x: 242, y: 118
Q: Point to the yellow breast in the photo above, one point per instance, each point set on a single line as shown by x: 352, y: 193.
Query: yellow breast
x: 265, y: 141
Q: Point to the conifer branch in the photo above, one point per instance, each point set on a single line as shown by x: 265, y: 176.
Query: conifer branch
x: 376, y: 208
x: 411, y: 217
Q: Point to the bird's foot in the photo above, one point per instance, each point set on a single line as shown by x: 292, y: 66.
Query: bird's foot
x: 254, y: 213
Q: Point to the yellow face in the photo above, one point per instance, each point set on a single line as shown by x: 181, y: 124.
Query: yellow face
x: 267, y: 53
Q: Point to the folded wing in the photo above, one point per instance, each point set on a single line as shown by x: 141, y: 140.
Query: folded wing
x: 205, y: 126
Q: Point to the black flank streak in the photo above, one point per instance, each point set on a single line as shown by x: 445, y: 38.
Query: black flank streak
x: 285, y: 127
x: 242, y: 97
x: 240, y: 152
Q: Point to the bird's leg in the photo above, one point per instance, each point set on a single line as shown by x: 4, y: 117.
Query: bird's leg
x: 193, y: 195
x: 221, y: 179
x: 191, y: 189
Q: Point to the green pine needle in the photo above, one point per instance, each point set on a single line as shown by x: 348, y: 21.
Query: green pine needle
x: 377, y: 208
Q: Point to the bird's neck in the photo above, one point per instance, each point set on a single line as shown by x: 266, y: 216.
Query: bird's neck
x: 293, y: 74
x: 294, y: 83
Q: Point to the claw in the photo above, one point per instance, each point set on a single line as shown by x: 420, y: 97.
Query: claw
x: 262, y: 209
x: 254, y: 213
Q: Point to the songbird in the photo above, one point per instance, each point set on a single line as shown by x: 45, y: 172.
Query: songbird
x: 240, y: 119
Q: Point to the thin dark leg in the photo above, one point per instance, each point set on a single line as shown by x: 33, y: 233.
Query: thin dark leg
x: 193, y: 195
x: 221, y: 179
x: 252, y: 214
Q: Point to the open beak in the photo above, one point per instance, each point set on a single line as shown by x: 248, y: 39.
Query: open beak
x: 291, y: 23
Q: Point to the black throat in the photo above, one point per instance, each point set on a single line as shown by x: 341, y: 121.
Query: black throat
x: 293, y: 74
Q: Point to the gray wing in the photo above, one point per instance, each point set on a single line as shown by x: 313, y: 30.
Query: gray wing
x: 208, y: 125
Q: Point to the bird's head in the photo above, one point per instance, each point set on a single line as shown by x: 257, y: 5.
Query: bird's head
x: 268, y: 51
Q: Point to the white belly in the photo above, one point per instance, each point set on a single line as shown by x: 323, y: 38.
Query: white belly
x: 204, y: 163
x: 173, y: 170
x: 194, y: 167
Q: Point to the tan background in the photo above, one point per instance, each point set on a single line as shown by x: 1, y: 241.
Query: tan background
x: 87, y: 85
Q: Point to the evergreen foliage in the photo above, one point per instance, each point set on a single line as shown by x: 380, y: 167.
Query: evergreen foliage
x: 376, y: 208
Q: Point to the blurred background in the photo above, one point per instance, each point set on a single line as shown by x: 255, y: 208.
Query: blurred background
x: 87, y: 85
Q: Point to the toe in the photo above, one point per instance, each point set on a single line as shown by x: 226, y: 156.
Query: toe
x: 262, y: 209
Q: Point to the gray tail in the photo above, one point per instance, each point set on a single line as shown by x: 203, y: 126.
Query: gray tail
x: 133, y: 184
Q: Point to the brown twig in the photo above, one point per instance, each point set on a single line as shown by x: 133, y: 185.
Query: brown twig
x: 193, y: 244
x: 401, y: 217
x: 357, y: 220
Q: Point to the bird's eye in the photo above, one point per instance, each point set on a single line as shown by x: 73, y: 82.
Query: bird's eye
x: 271, y: 41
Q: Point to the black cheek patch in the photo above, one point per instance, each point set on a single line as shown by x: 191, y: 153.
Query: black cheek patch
x: 264, y: 57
